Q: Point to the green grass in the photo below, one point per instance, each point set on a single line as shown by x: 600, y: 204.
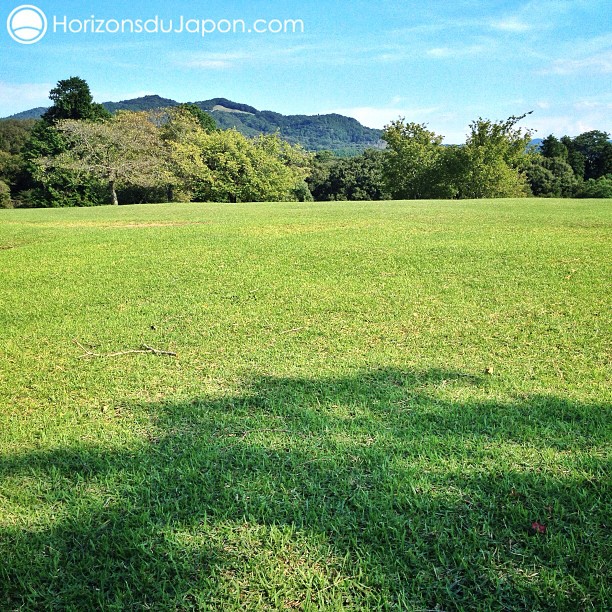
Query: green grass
x: 370, y: 405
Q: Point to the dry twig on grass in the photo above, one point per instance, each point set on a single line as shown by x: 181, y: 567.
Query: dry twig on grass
x: 143, y: 349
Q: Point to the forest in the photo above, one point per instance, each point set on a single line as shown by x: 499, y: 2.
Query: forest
x: 80, y: 154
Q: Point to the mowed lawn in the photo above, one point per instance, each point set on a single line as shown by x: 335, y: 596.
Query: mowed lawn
x: 389, y: 405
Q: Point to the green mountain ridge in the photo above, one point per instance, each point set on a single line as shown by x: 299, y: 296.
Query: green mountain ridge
x: 343, y: 135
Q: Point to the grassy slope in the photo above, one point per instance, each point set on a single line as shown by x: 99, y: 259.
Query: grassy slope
x: 327, y: 435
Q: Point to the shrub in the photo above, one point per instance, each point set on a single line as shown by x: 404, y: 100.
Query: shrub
x: 597, y: 188
x: 5, y: 196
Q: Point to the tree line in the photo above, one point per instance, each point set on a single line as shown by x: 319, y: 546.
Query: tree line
x: 78, y: 154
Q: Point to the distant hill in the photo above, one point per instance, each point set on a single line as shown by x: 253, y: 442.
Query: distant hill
x: 343, y: 135
x: 536, y: 143
x: 146, y: 103
x: 33, y: 113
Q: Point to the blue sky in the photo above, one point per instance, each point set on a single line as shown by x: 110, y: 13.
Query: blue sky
x: 437, y: 62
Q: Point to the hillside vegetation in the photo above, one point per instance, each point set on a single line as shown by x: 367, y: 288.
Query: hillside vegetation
x: 333, y: 132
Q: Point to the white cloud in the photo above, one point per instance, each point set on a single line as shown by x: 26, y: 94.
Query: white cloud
x: 514, y: 25
x: 571, y: 124
x: 591, y: 105
x: 210, y: 64
x: 439, y: 52
x: 378, y: 117
x: 594, y: 64
x: 453, y: 52
x: 213, y: 61
x: 252, y: 55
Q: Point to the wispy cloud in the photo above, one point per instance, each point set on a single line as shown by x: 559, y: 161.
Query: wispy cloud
x: 455, y: 52
x: 215, y: 61
x: 512, y: 24
x: 251, y: 55
x: 574, y: 117
x: 600, y: 63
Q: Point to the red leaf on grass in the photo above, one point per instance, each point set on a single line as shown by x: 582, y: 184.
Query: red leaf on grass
x: 538, y: 527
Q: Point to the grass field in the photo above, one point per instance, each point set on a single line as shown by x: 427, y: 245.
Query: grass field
x: 372, y: 406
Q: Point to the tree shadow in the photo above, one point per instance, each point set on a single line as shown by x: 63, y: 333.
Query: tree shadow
x: 369, y: 491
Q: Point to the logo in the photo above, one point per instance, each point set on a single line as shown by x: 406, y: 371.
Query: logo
x: 27, y: 24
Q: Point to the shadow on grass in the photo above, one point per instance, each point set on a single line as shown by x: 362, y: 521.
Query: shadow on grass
x: 363, y: 492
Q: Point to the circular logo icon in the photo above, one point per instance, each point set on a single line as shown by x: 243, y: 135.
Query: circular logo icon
x: 27, y: 24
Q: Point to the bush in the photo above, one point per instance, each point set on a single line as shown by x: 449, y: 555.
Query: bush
x: 5, y: 196
x: 301, y: 192
x: 597, y: 188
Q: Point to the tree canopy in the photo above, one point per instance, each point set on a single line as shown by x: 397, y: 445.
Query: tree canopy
x: 78, y: 154
x: 124, y: 150
x: 72, y: 99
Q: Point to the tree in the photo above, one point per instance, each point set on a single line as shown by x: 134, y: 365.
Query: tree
x: 550, y: 177
x: 411, y: 160
x: 72, y: 99
x: 125, y: 150
x: 596, y: 149
x: 225, y: 166
x: 489, y: 165
x: 597, y: 188
x: 574, y: 158
x: 354, y: 178
x: 5, y: 195
x: 14, y: 134
x: 205, y: 121
x: 551, y: 148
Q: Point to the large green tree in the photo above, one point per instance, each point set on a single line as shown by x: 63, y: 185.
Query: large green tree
x: 225, y: 166
x: 352, y: 178
x: 551, y: 147
x: 596, y: 149
x: 14, y: 134
x: 125, y: 150
x: 550, y: 176
x: 204, y: 120
x: 412, y: 160
x: 490, y: 164
x: 72, y: 100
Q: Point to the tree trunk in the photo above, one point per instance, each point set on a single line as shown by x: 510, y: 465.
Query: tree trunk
x: 113, y: 193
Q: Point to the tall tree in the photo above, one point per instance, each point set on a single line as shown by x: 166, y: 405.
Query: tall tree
x: 125, y: 150
x: 596, y: 148
x: 72, y: 99
x: 490, y: 163
x: 551, y: 147
x: 574, y: 158
x: 411, y: 160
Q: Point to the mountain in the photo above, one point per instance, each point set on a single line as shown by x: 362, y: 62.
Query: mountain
x: 536, y: 143
x: 146, y: 103
x: 33, y: 113
x: 343, y: 135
